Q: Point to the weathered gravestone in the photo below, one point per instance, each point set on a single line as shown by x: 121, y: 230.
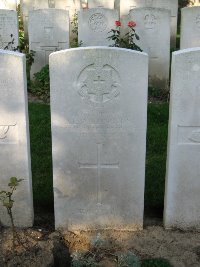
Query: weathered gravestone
x: 190, y: 27
x: 182, y: 205
x: 14, y: 137
x: 94, y: 26
x: 48, y: 32
x: 8, y: 27
x: 172, y: 5
x: 152, y: 26
x: 8, y: 4
x: 29, y: 5
x: 99, y: 112
x: 101, y: 3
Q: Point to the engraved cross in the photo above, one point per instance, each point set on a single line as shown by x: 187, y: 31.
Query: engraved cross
x: 99, y: 166
x: 99, y: 84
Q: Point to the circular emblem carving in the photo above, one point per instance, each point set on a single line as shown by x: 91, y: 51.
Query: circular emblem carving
x: 98, y: 22
x: 99, y: 85
x: 150, y: 21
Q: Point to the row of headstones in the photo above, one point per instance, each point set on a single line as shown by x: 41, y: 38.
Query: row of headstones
x: 49, y: 31
x: 99, y: 121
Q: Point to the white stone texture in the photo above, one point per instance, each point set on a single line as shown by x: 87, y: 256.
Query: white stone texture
x: 153, y: 28
x: 8, y: 26
x: 14, y: 137
x: 99, y: 113
x: 8, y: 4
x: 182, y: 205
x: 94, y: 26
x: 73, y: 6
x: 172, y: 5
x: 48, y: 32
x: 190, y: 27
x: 101, y: 3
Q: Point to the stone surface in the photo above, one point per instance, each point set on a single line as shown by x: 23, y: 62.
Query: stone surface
x: 8, y: 4
x: 152, y: 26
x: 14, y: 137
x: 172, y: 5
x: 98, y: 111
x: 8, y: 26
x: 48, y: 32
x: 101, y: 3
x: 190, y: 27
x: 28, y: 5
x: 94, y: 25
x: 182, y: 205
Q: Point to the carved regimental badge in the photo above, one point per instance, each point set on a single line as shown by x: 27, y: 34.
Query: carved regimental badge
x: 98, y: 22
x: 99, y: 84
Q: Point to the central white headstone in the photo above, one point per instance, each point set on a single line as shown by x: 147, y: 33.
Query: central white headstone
x: 101, y: 3
x: 14, y: 138
x: 48, y: 32
x: 190, y: 27
x: 99, y: 113
x: 94, y: 26
x: 8, y: 4
x: 8, y: 27
x: 182, y: 198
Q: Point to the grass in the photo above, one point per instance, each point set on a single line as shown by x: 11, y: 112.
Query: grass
x: 40, y: 133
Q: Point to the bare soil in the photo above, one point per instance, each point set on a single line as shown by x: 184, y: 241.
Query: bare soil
x: 41, y: 246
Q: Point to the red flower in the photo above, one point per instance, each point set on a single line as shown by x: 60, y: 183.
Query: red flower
x: 118, y: 23
x: 131, y: 24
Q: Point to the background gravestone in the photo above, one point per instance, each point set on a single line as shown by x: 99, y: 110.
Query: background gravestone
x: 99, y: 113
x: 172, y: 5
x: 153, y: 28
x: 101, y: 3
x: 8, y: 4
x: 190, y: 27
x: 48, y: 32
x: 73, y: 6
x: 14, y: 137
x: 8, y: 26
x: 182, y: 205
x: 94, y: 25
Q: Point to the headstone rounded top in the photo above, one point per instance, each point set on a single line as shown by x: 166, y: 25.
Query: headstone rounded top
x: 153, y: 9
x: 186, y: 50
x: 98, y: 48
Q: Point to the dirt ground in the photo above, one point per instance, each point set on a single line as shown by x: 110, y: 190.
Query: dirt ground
x: 41, y: 246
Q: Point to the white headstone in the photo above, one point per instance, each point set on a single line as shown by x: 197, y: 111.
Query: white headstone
x: 8, y: 27
x: 172, y: 5
x: 48, y: 32
x: 182, y: 198
x: 14, y: 137
x: 98, y: 108
x: 73, y: 6
x: 101, y: 3
x: 152, y: 26
x: 94, y: 25
x: 8, y: 4
x: 190, y: 27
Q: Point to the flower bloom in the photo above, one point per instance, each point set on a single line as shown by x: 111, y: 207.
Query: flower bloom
x: 118, y: 23
x: 131, y: 24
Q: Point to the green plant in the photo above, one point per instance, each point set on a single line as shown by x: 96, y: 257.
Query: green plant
x: 128, y: 259
x: 40, y: 85
x: 160, y: 262
x: 7, y: 201
x: 129, y: 39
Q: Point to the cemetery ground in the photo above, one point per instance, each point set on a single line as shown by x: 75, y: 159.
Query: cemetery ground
x: 44, y: 247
